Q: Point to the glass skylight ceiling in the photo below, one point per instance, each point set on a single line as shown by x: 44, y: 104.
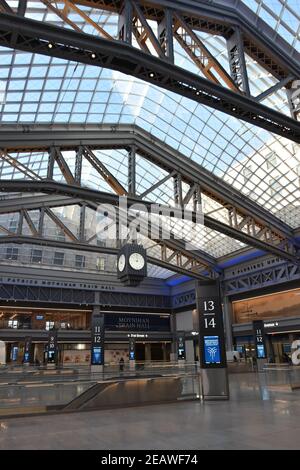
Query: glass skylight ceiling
x: 262, y: 166
x: 282, y: 15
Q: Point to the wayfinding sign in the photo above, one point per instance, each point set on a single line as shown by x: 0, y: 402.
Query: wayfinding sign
x: 211, y: 328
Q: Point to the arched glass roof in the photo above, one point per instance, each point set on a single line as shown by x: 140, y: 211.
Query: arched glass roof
x: 264, y: 167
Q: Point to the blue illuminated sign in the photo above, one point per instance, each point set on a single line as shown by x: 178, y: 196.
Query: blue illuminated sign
x: 212, y: 350
x: 261, y: 351
x: 14, y: 353
x: 96, y: 356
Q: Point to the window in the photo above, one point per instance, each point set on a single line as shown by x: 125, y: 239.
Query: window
x: 36, y: 256
x: 50, y: 325
x: 58, y: 259
x: 60, y: 235
x: 271, y: 161
x: 13, y: 225
x: 12, y: 253
x: 79, y: 261
x: 101, y: 264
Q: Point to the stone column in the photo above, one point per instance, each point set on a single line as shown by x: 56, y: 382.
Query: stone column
x: 173, y: 353
x: 227, y: 313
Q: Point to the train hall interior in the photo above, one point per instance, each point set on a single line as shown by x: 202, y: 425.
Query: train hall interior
x: 149, y: 224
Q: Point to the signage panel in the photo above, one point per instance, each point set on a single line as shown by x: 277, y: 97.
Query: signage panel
x: 132, y: 349
x: 211, y: 328
x: 136, y: 322
x: 52, y: 347
x: 97, y: 340
x: 260, y: 339
x: 27, y: 351
x: 212, y: 352
x: 181, y: 347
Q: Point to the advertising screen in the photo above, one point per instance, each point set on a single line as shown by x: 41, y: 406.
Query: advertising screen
x: 51, y: 356
x: 212, y: 350
x: 96, y: 356
x: 14, y: 355
x: 261, y: 351
x: 26, y: 357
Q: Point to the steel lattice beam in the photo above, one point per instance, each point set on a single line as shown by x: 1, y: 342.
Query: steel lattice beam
x: 33, y: 36
x: 25, y: 138
x: 261, y: 240
x: 4, y: 7
x: 221, y: 17
x: 185, y: 261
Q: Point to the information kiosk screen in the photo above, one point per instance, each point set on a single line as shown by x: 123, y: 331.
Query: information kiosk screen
x: 212, y: 350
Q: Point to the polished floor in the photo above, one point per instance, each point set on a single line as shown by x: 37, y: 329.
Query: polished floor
x: 257, y: 417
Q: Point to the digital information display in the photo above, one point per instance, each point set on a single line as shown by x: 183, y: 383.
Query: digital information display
x: 97, y: 356
x: 131, y: 349
x: 260, y: 339
x: 211, y: 329
x: 97, y: 340
x: 14, y: 353
x: 261, y: 351
x: 181, y: 348
x: 212, y: 351
x: 27, y: 350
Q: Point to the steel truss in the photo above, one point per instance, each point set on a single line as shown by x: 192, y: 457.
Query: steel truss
x: 270, y: 276
x: 172, y: 255
x: 242, y: 219
x: 229, y: 94
x: 67, y: 295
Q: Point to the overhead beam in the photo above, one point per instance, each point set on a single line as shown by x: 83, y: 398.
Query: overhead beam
x: 107, y: 176
x: 34, y: 36
x: 270, y: 91
x: 237, y: 61
x: 261, y: 41
x: 25, y: 204
x: 70, y: 6
x: 149, y: 147
x: 5, y: 8
x: 200, y: 55
x: 15, y: 163
x: 64, y: 167
x: 22, y: 7
x: 97, y: 196
x: 61, y: 225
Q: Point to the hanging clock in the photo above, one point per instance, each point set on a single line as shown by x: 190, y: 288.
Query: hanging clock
x: 132, y: 264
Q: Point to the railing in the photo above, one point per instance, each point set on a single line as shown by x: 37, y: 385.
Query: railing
x: 4, y: 325
x: 282, y: 376
x: 26, y: 390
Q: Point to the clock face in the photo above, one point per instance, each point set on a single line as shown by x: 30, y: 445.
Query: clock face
x: 121, y: 263
x: 136, y: 261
